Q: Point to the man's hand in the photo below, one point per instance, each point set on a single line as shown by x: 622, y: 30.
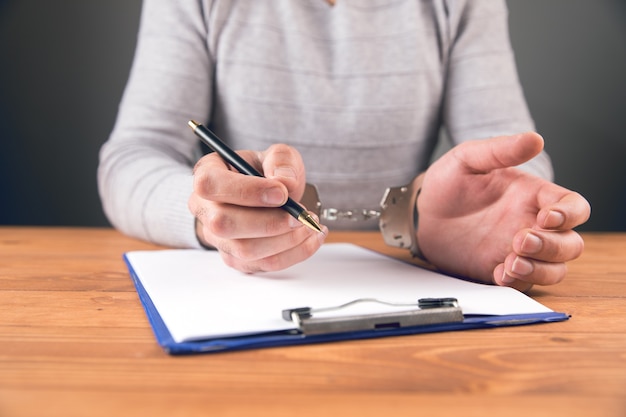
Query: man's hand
x: 238, y: 215
x: 482, y: 218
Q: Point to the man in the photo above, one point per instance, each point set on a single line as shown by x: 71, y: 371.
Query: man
x: 356, y: 93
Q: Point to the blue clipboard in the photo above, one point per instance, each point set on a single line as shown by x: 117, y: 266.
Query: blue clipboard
x: 296, y: 337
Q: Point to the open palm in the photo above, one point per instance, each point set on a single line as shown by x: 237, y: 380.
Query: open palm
x: 475, y: 206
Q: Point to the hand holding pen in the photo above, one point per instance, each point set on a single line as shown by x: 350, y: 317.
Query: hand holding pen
x: 233, y: 210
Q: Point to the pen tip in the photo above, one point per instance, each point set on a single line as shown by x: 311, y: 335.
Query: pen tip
x: 308, y: 220
x: 193, y: 124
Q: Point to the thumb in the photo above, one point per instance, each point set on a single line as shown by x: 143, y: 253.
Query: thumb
x: 284, y: 163
x: 483, y: 156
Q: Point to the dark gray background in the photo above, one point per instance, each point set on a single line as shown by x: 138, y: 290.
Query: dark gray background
x: 64, y: 63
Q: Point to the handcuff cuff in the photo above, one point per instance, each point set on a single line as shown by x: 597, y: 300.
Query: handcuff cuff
x: 397, y: 216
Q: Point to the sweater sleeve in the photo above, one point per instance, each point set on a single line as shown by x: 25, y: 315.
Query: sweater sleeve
x: 145, y: 169
x: 483, y: 96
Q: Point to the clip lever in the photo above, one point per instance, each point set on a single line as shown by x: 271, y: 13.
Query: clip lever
x: 429, y: 311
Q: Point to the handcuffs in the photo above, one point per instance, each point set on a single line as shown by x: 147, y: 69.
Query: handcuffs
x: 397, y: 217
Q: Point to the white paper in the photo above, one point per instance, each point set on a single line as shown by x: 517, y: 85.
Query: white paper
x: 199, y: 297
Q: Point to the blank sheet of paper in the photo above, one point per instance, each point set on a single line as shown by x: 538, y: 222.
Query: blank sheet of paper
x: 199, y: 297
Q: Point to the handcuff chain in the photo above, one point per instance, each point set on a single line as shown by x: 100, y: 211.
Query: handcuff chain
x: 397, y: 217
x: 333, y: 214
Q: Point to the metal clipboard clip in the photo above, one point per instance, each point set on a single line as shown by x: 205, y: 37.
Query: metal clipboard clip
x: 428, y: 311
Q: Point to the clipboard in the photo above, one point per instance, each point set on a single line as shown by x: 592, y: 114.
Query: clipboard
x: 192, y: 300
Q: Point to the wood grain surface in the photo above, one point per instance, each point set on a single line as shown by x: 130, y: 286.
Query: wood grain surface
x: 75, y: 341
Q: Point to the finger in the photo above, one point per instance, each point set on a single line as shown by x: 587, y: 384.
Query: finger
x: 214, y: 181
x: 254, y: 255
x: 500, y: 278
x: 284, y: 163
x: 562, y: 211
x: 548, y: 246
x: 530, y: 271
x: 225, y: 221
x: 483, y: 156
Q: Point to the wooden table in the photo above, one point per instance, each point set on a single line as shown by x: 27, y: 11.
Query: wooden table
x: 75, y: 341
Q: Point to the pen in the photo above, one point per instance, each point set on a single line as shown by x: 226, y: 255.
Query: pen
x: 232, y: 158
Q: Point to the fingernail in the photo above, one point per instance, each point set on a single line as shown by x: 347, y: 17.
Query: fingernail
x: 273, y: 196
x: 522, y: 266
x: 506, y: 279
x: 554, y: 219
x: 531, y: 244
x: 284, y: 172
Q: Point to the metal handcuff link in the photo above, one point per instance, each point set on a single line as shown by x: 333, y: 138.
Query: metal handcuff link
x: 397, y: 216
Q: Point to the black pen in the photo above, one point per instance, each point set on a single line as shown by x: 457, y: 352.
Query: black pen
x: 232, y: 158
